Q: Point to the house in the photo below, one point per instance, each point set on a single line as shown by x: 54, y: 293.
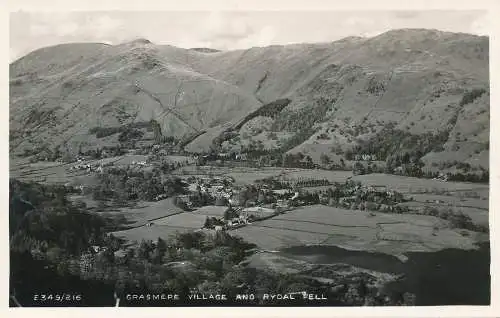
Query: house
x: 233, y: 200
x: 120, y: 256
x: 398, y: 170
x: 241, y: 156
x: 366, y: 157
x: 194, y: 187
x: 281, y: 191
x: 97, y: 249
x: 237, y: 221
x: 323, y: 198
x: 160, y: 197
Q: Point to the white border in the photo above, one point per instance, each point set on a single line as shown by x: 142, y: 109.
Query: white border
x: 258, y: 5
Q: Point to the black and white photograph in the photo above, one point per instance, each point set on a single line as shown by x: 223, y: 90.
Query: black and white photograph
x: 224, y: 158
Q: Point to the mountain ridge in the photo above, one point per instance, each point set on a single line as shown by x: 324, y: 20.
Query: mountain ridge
x: 415, y: 78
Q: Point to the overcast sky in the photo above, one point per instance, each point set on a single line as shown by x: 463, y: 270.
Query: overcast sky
x: 224, y: 30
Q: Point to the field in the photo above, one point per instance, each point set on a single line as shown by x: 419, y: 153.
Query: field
x: 47, y: 172
x: 150, y: 233
x: 163, y: 227
x: 332, y: 176
x: 245, y: 175
x: 241, y: 175
x: 413, y: 185
x: 183, y: 220
x: 355, y: 230
x: 166, y: 219
x: 211, y: 210
x: 149, y: 211
x: 476, y: 209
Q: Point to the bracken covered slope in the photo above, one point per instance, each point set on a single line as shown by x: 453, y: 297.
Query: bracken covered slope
x: 318, y: 98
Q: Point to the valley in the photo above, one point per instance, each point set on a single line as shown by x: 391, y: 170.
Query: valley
x: 349, y: 168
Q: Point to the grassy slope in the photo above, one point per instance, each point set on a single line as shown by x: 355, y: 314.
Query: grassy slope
x: 415, y: 78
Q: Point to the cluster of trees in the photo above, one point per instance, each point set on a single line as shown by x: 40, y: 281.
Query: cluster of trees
x: 130, y: 134
x: 471, y: 96
x: 269, y: 110
x: 102, y: 132
x: 42, y: 219
x: 211, y: 222
x: 302, y: 122
x: 303, y: 118
x: 104, y: 152
x: 251, y: 194
x: 456, y: 219
x: 481, y: 176
x: 124, y: 184
x: 359, y: 168
x: 353, y: 195
x: 310, y: 182
x: 398, y: 143
x: 306, y: 198
x: 298, y: 160
x: 300, y: 136
x: 276, y: 184
x: 167, y: 166
x: 375, y: 87
x: 186, y: 262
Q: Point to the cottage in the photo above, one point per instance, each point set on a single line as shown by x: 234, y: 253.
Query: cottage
x: 281, y: 191
x: 120, y: 256
x: 242, y: 157
x: 194, y: 187
x: 366, y: 157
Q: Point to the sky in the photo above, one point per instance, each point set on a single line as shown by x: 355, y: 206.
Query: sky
x: 224, y: 30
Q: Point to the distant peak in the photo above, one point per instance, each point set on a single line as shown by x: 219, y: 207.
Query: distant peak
x: 204, y: 50
x: 414, y: 32
x: 141, y: 41
x: 352, y: 38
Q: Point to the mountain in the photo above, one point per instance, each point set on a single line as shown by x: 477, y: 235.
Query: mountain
x: 325, y: 98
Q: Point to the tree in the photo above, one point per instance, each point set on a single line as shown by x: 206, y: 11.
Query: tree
x: 325, y: 160
x: 358, y: 169
x: 160, y: 251
x: 229, y: 214
x: 221, y: 201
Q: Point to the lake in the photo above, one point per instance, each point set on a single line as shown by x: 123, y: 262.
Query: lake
x: 446, y: 277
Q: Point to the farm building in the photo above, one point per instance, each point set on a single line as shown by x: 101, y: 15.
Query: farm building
x: 282, y: 191
x: 120, y: 256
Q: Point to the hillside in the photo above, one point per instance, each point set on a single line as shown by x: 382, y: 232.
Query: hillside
x: 326, y: 98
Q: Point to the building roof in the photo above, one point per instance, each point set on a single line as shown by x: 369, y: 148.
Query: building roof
x: 282, y: 191
x: 120, y: 253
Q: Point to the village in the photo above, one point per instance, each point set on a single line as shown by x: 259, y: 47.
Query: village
x: 209, y: 198
x: 227, y: 206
